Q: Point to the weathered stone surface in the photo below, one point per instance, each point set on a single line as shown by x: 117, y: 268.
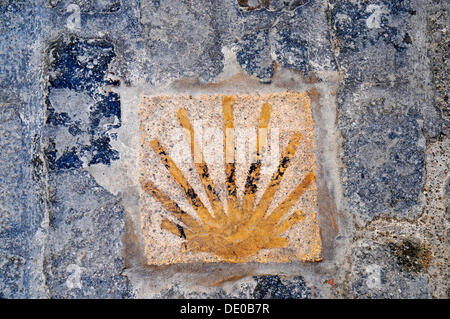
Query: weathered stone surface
x: 270, y: 35
x: 438, y: 27
x: 378, y: 273
x: 385, y: 103
x: 77, y: 263
x: 193, y: 51
x: 71, y: 76
x: 383, y: 150
x: 86, y: 6
x: 22, y: 192
x: 248, y: 287
x: 79, y: 112
x: 79, y: 115
x: 13, y: 231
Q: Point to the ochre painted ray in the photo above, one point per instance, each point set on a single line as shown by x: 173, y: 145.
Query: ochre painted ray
x: 200, y: 165
x: 176, y: 229
x: 170, y: 205
x: 230, y: 166
x: 178, y: 177
x: 284, y: 207
x: 286, y: 224
x: 261, y: 138
x: 251, y: 185
x: 277, y: 177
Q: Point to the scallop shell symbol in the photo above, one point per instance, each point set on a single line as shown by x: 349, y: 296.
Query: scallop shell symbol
x: 244, y: 229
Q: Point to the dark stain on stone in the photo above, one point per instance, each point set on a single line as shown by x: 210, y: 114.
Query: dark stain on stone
x: 412, y: 256
x: 252, y: 178
x: 205, y: 173
x: 230, y: 181
x: 193, y: 196
x: 407, y: 38
x: 181, y: 230
x: 232, y: 174
x: 285, y: 162
x: 243, y: 3
x: 280, y: 172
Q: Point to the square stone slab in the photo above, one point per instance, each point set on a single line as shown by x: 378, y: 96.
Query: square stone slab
x: 228, y: 179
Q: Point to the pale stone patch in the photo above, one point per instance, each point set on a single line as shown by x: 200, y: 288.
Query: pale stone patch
x: 290, y: 112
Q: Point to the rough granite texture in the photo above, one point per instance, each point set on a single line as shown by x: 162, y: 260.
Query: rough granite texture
x: 63, y: 64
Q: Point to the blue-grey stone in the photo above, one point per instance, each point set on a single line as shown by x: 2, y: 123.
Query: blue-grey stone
x: 377, y: 273
x: 274, y: 287
x: 79, y: 112
x: 385, y: 113
x: 83, y: 257
x: 383, y: 153
x: 299, y: 46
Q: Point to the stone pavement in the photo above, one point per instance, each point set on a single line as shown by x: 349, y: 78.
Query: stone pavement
x: 220, y: 149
